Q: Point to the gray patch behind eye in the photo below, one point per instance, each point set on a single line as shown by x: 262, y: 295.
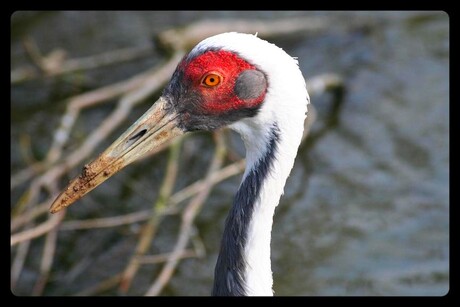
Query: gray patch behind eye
x: 250, y: 84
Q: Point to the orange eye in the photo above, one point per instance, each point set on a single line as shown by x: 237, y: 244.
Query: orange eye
x: 211, y: 80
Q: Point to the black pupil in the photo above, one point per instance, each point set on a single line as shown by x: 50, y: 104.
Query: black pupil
x: 211, y: 80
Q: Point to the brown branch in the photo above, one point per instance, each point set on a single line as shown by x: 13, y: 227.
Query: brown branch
x: 153, y: 259
x: 37, y: 231
x: 106, y: 284
x: 24, y: 73
x: 49, y: 250
x: 18, y: 262
x: 30, y: 214
x: 30, y: 196
x: 198, y: 186
x: 34, y: 53
x: 189, y: 36
x: 114, y: 280
x: 46, y: 262
x: 101, y: 60
x: 324, y: 83
x: 114, y: 221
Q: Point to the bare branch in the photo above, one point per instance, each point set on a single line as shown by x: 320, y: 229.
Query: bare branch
x: 40, y: 230
x: 30, y: 214
x: 18, y: 263
x: 152, y: 259
x: 33, y: 52
x: 104, y: 59
x: 46, y: 262
x: 324, y: 83
x: 55, y: 63
x: 106, y: 222
x: 187, y: 37
x: 104, y: 285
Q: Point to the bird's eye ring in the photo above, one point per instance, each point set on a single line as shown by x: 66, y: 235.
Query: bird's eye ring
x: 211, y: 79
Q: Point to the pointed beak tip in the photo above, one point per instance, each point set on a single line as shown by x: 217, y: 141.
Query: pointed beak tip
x: 55, y: 209
x: 57, y: 206
x: 62, y: 201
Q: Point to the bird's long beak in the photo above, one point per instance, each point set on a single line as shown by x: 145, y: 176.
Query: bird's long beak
x: 155, y: 127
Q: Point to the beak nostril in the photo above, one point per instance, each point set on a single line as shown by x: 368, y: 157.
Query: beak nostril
x: 138, y: 135
x: 135, y: 137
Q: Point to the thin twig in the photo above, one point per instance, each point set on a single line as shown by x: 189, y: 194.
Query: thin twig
x: 55, y: 63
x: 104, y: 59
x: 49, y: 250
x: 324, y: 83
x: 185, y: 38
x: 106, y: 284
x: 197, y: 242
x: 153, y: 259
x: 46, y: 262
x: 106, y: 222
x: 18, y: 262
x: 40, y: 230
x: 29, y: 196
x: 33, y: 52
x: 196, y: 187
x: 30, y: 214
x: 24, y: 73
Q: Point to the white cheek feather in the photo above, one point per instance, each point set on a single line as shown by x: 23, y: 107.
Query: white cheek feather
x: 286, y: 105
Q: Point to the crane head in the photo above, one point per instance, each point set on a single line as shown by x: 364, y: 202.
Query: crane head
x: 211, y: 87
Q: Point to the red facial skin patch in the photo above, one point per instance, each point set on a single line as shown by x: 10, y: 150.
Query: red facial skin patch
x: 222, y: 97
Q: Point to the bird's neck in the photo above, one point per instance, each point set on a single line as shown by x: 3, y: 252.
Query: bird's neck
x: 244, y: 265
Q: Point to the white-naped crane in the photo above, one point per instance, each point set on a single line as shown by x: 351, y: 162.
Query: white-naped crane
x: 255, y: 88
